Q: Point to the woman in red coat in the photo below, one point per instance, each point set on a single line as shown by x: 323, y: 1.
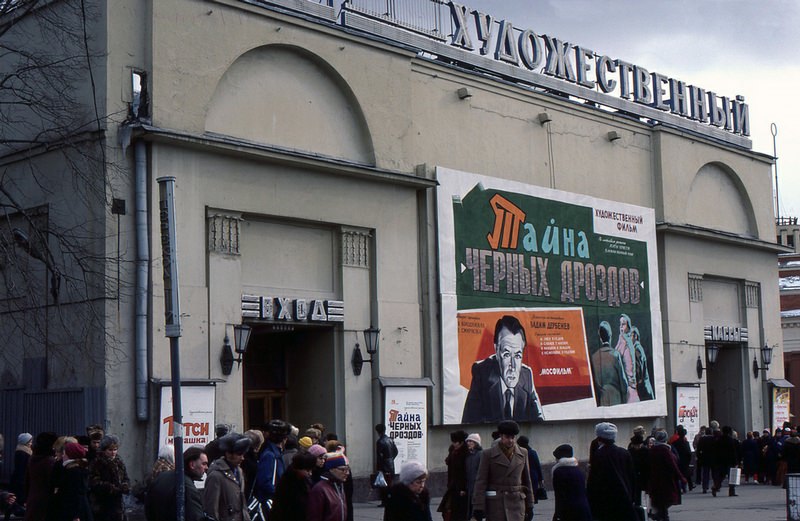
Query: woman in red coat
x: 662, y: 483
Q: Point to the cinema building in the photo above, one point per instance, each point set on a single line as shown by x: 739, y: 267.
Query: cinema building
x: 341, y: 172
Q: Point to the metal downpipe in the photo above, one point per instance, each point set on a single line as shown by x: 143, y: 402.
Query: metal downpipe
x: 142, y: 277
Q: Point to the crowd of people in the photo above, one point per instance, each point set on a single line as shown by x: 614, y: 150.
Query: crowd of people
x: 66, y: 478
x: 282, y: 474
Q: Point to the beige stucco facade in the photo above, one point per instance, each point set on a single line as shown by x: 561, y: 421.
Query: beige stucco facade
x: 321, y: 144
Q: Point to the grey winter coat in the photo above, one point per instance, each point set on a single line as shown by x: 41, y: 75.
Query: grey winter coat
x: 224, y: 497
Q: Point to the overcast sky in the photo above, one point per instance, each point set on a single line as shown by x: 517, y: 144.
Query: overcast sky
x: 731, y: 47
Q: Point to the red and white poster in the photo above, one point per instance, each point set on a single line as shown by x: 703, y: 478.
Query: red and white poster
x: 197, y: 403
x: 687, y: 409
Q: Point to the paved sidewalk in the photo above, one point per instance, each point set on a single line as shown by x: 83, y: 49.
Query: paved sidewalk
x: 753, y: 503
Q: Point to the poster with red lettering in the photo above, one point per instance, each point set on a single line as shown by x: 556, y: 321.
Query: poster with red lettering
x: 197, y: 404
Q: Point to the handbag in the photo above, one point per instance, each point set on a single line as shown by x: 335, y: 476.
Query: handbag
x: 734, y: 476
x: 380, y: 480
x: 540, y: 494
x: 255, y: 510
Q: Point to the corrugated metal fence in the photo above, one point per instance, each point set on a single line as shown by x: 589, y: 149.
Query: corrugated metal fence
x: 63, y: 411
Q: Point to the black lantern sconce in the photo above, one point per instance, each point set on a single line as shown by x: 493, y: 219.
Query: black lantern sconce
x: 766, y: 359
x: 241, y: 336
x: 371, y: 337
x: 712, y: 351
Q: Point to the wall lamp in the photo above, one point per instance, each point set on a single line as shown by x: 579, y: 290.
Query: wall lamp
x: 241, y: 336
x: 371, y: 337
x: 464, y: 93
x: 712, y: 351
x: 766, y: 359
x: 543, y: 118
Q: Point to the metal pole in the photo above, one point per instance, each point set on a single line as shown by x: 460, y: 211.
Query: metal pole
x: 774, y: 130
x: 166, y: 206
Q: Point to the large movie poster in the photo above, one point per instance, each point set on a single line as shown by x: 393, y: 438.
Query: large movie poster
x: 549, y: 304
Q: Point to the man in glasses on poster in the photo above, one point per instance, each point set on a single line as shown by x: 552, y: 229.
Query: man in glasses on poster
x: 502, y: 386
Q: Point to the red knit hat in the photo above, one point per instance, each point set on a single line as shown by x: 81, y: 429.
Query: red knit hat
x: 75, y: 450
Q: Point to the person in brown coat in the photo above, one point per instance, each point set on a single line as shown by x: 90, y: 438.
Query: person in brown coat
x: 38, y: 488
x: 108, y: 482
x: 224, y: 498
x: 503, y: 488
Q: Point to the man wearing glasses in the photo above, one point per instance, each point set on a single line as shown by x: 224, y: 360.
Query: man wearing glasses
x: 327, y: 501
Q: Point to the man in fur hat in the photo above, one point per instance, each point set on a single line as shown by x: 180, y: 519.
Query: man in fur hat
x: 503, y: 488
x: 224, y: 497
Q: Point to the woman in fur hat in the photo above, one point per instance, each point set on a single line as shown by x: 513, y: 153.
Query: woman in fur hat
x: 408, y: 499
x: 108, y: 480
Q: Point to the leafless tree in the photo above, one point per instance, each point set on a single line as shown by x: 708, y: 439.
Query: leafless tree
x: 58, y: 266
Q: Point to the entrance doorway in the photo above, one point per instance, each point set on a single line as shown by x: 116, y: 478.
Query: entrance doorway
x: 288, y: 375
x: 727, y: 387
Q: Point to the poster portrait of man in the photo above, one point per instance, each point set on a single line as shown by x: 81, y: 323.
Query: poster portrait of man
x: 502, y: 386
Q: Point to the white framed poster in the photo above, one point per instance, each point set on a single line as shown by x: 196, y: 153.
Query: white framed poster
x: 780, y: 407
x: 687, y: 409
x: 197, y: 403
x: 405, y: 416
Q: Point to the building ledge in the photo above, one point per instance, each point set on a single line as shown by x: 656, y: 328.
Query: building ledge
x: 278, y: 155
x: 699, y: 232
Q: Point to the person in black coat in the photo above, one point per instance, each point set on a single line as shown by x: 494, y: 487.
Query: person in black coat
x: 70, y: 499
x: 537, y: 477
x: 385, y: 453
x: 291, y: 494
x: 705, y: 457
x: 684, y: 453
x: 408, y: 500
x: 611, y: 478
x: 160, y: 502
x: 569, y: 487
x: 640, y: 454
x: 726, y: 455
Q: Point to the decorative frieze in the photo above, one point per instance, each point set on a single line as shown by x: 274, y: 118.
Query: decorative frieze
x: 695, y: 288
x: 223, y: 233
x: 355, y: 248
x: 751, y: 292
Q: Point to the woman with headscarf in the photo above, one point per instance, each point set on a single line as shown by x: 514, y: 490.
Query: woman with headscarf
x: 408, y: 499
x: 662, y: 483
x: 22, y: 454
x: 108, y: 481
x: 626, y: 352
x: 473, y: 461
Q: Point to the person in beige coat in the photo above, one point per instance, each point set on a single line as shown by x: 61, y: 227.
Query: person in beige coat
x: 503, y: 489
x: 224, y: 498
